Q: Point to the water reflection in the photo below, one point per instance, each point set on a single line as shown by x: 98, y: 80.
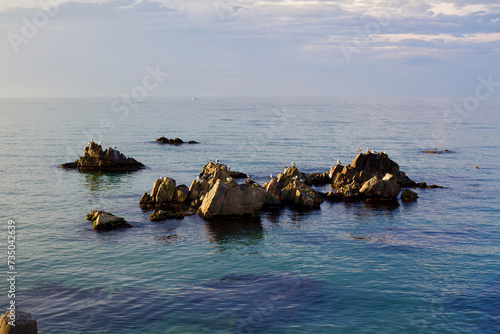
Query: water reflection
x: 98, y: 181
x: 246, y: 230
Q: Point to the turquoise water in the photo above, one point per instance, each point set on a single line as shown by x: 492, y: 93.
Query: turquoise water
x: 425, y: 267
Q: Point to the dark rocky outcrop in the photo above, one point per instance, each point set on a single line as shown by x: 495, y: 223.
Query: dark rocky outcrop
x: 408, y: 196
x: 175, y: 141
x: 24, y: 323
x: 106, y: 221
x: 94, y: 158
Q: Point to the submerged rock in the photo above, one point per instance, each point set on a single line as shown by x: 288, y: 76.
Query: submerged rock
x: 94, y: 158
x: 160, y: 215
x: 23, y: 323
x: 175, y: 141
x: 106, y: 221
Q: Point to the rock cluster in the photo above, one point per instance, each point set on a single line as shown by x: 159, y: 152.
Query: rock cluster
x: 292, y: 187
x: 94, y: 158
x: 175, y: 141
x: 215, y: 193
x: 106, y: 221
x: 369, y: 176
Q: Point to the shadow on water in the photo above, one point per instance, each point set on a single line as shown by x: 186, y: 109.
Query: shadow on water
x: 232, y: 304
x: 240, y: 230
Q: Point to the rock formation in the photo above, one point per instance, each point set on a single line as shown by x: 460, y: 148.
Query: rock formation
x: 291, y: 187
x: 94, y: 158
x: 409, y: 196
x: 232, y: 199
x: 175, y: 141
x: 24, y: 323
x: 106, y: 221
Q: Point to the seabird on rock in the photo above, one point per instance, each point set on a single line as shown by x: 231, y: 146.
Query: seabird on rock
x: 359, y: 150
x: 229, y: 179
x: 338, y: 162
x: 209, y: 161
x: 198, y: 179
x: 293, y: 164
x: 271, y: 176
x: 217, y: 161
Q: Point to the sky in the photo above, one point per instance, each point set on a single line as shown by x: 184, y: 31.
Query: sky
x: 421, y: 48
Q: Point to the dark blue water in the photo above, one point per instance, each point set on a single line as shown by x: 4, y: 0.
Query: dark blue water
x: 425, y: 267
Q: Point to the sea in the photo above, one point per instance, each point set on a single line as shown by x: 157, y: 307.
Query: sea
x: 431, y: 266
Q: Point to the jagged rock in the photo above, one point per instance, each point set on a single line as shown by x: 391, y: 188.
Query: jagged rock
x: 364, y: 167
x: 404, y: 181
x: 232, y: 200
x: 164, y: 193
x: 326, y: 177
x: 159, y: 215
x: 24, y: 323
x: 220, y: 171
x: 291, y: 187
x: 175, y: 141
x: 94, y: 158
x: 385, y: 188
x: 106, y: 221
x: 409, y: 196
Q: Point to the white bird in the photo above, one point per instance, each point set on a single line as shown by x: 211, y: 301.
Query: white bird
x: 99, y: 143
x: 228, y: 167
x: 359, y: 150
x: 229, y: 179
x: 338, y: 162
x: 217, y: 161
x: 293, y: 164
x: 92, y: 140
x: 209, y: 160
x: 198, y: 179
x: 271, y: 176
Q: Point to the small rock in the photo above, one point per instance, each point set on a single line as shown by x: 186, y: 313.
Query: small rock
x: 24, y: 323
x: 159, y: 215
x: 409, y: 196
x: 106, y: 221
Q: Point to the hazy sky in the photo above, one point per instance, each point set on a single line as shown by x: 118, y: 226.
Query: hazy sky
x: 237, y: 47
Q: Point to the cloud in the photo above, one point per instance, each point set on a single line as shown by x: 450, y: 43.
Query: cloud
x: 232, y: 45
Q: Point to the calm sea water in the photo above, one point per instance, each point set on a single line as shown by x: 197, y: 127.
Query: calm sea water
x: 425, y: 267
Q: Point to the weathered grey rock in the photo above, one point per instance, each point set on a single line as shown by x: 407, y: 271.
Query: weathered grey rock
x: 94, y: 158
x: 24, y: 323
x: 409, y: 196
x: 385, y: 188
x: 106, y: 221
